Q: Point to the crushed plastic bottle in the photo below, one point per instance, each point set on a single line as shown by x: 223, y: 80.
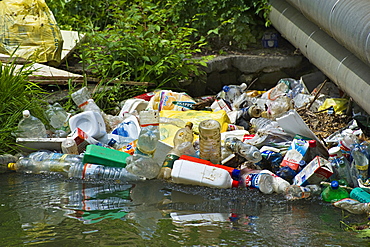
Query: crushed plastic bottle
x: 256, y: 179
x: 69, y: 146
x: 360, y: 161
x: 57, y: 116
x: 296, y: 192
x: 249, y: 152
x: 232, y: 92
x: 31, y: 127
x: 353, y: 206
x: 263, y: 123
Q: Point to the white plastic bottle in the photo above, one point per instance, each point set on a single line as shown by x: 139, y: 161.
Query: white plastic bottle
x: 210, y: 140
x: 255, y: 179
x: 81, y: 96
x: 279, y: 184
x: 31, y: 127
x: 249, y: 152
x: 188, y: 172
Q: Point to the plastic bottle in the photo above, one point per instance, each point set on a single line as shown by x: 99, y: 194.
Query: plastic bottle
x: 234, y: 173
x: 57, y: 116
x: 210, y: 140
x: 360, y: 195
x: 174, y: 121
x: 249, y: 112
x: 7, y: 158
x: 81, y: 96
x: 48, y: 155
x: 286, y: 173
x: 296, y: 192
x: 334, y: 193
x: 249, y: 152
x: 341, y: 166
x: 255, y: 179
x: 183, y: 144
x: 149, y: 133
x: 73, y: 170
x: 143, y: 166
x: 353, y: 206
x: 69, y: 146
x: 361, y: 161
x: 188, y: 172
x: 31, y: 127
x: 263, y: 123
x: 232, y: 92
x: 279, y: 185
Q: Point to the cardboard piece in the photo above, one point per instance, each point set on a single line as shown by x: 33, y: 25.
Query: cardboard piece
x: 292, y: 123
x: 318, y: 170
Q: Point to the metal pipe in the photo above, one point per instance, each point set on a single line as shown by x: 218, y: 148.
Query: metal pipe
x: 345, y: 69
x: 347, y: 21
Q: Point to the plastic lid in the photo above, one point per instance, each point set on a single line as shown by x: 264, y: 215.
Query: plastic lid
x: 190, y: 124
x: 334, y: 184
x: 226, y: 89
x: 11, y: 166
x: 235, y: 174
x: 26, y: 113
x: 312, y: 143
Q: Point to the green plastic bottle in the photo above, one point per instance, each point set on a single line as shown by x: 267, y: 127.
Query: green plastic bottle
x: 334, y: 193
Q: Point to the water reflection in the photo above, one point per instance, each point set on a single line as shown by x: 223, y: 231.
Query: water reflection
x: 37, y: 209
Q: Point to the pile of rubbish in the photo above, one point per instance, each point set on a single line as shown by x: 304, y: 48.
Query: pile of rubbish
x: 285, y: 140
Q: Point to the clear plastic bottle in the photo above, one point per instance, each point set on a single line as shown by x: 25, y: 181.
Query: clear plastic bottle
x: 143, y: 166
x: 263, y: 123
x: 249, y: 112
x: 81, y: 96
x: 73, y: 170
x: 149, y: 133
x: 183, y: 144
x: 255, y: 179
x: 57, y: 116
x: 341, y: 166
x: 361, y: 161
x: 296, y: 192
x: 210, y: 140
x: 174, y: 121
x: 249, y: 152
x: 334, y: 192
x: 31, y: 127
x: 48, y: 155
x: 7, y: 158
x: 312, y: 151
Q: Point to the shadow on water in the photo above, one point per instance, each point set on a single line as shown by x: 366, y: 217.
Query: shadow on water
x: 52, y: 211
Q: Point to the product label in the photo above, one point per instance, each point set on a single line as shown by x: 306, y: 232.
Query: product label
x: 169, y: 160
x: 89, y: 171
x: 252, y: 180
x: 362, y: 168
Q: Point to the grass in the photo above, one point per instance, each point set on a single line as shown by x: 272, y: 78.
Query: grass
x: 17, y: 94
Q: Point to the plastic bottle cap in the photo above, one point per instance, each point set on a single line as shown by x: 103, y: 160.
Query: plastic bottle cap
x: 226, y: 89
x: 312, y: 143
x: 235, y: 173
x: 334, y: 184
x: 234, y: 183
x: 11, y: 166
x: 26, y: 113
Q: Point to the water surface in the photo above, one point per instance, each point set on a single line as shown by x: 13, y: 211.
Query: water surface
x: 53, y: 211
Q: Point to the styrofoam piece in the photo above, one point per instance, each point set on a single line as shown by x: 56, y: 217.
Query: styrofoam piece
x: 91, y: 122
x: 133, y: 104
x: 33, y: 144
x: 292, y: 123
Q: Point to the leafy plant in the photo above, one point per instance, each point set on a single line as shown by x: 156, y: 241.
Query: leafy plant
x: 144, y: 45
x: 17, y: 94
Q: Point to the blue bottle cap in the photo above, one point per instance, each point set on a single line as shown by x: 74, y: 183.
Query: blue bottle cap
x: 226, y: 89
x: 334, y: 184
x: 235, y: 174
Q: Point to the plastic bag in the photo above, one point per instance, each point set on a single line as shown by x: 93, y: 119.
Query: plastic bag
x: 339, y: 105
x: 162, y: 100
x: 29, y: 30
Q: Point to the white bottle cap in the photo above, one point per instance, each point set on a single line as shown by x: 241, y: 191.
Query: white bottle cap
x: 26, y: 113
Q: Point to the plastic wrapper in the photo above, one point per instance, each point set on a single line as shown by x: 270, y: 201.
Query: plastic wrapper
x: 163, y: 100
x: 29, y: 30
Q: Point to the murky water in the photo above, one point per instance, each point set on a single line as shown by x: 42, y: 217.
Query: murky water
x: 51, y: 211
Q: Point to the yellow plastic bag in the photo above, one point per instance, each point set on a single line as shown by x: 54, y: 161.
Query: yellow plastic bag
x: 163, y: 100
x: 29, y: 30
x: 168, y: 131
x: 339, y: 105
